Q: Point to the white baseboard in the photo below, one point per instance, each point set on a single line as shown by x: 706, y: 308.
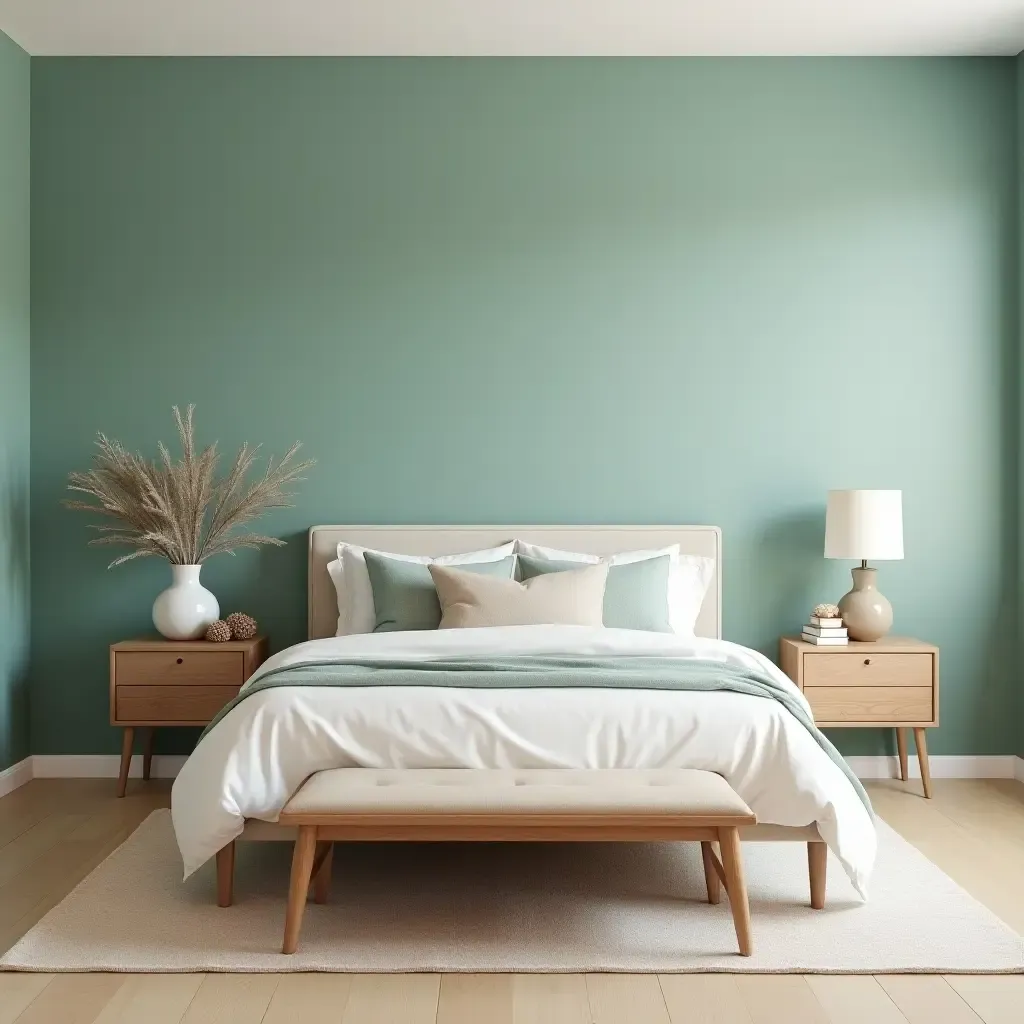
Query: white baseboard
x: 15, y: 776
x: 943, y: 766
x: 165, y: 766
x: 101, y: 766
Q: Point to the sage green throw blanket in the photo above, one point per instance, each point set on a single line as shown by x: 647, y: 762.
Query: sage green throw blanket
x: 616, y: 672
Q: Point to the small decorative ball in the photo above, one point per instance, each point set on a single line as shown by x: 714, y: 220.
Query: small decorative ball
x: 826, y: 611
x: 243, y: 627
x: 219, y: 632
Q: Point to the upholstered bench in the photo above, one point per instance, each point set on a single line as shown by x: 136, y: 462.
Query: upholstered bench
x: 509, y: 805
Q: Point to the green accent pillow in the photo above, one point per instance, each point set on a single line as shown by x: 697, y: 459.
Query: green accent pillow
x: 404, y: 596
x: 635, y: 596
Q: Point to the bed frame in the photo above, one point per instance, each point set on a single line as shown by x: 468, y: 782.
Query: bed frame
x: 322, y: 612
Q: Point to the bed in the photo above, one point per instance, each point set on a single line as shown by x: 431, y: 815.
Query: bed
x: 249, y: 763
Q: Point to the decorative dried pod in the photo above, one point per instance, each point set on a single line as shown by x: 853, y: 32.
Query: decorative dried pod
x: 243, y: 627
x: 218, y: 632
x: 826, y: 611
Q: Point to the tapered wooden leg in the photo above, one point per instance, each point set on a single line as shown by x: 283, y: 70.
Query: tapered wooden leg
x: 298, y: 889
x: 817, y: 866
x: 226, y: 875
x: 711, y: 879
x: 736, y: 886
x: 147, y: 755
x: 922, y: 760
x: 322, y: 875
x: 127, y: 741
x: 901, y: 748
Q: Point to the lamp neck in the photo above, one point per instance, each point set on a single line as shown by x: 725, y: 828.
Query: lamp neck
x: 864, y: 563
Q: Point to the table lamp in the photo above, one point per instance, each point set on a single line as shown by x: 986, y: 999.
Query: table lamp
x: 865, y: 525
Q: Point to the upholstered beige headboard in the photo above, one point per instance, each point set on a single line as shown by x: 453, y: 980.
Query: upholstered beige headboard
x: 446, y: 540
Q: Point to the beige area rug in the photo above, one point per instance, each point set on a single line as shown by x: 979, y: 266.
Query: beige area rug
x: 513, y: 907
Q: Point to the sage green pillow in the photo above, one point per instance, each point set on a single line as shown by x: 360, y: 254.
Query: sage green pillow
x: 635, y: 596
x: 404, y: 596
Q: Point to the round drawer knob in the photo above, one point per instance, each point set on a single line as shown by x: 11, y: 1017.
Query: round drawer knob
x: 180, y: 660
x: 867, y: 661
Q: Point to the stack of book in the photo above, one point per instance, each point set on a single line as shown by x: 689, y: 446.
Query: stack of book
x: 825, y: 632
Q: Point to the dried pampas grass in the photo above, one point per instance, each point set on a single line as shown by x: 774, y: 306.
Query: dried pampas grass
x: 179, y: 510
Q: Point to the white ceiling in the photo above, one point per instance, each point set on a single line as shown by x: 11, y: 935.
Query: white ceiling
x: 507, y: 27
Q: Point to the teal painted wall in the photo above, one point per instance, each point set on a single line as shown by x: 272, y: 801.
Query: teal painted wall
x: 14, y: 402
x: 540, y: 290
x: 1019, y: 675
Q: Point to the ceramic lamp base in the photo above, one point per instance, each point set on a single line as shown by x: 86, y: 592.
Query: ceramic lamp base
x: 866, y: 612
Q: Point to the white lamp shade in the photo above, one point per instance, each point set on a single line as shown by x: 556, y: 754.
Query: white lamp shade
x: 864, y: 525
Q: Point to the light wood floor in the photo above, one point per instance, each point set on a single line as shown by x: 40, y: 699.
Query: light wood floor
x: 53, y: 832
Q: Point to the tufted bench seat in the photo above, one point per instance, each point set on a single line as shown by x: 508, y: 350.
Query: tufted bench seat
x: 510, y: 805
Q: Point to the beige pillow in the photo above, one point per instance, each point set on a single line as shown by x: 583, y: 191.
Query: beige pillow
x: 572, y: 598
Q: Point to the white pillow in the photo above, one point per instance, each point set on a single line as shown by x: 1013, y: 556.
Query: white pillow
x: 688, y: 581
x: 620, y: 558
x: 356, y: 613
x: 574, y: 597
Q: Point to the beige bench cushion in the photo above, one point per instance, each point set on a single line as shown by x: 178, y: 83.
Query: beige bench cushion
x: 347, y: 791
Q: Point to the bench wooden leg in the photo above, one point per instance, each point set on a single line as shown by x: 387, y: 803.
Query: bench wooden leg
x: 817, y: 861
x: 298, y: 889
x: 322, y: 874
x: 711, y: 879
x: 735, y: 886
x: 226, y: 875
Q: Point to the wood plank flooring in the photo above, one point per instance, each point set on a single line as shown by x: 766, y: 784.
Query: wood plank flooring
x: 54, y: 832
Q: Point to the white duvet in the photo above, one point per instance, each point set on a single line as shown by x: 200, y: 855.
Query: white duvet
x: 258, y: 755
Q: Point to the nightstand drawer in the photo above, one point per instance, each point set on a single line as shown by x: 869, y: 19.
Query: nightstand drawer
x: 870, y: 703
x: 175, y: 703
x: 171, y: 668
x: 834, y: 669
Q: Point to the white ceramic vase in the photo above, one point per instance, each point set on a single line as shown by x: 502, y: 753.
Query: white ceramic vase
x: 186, y: 608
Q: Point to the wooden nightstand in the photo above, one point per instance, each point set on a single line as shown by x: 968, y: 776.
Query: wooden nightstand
x: 893, y: 683
x: 169, y: 682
